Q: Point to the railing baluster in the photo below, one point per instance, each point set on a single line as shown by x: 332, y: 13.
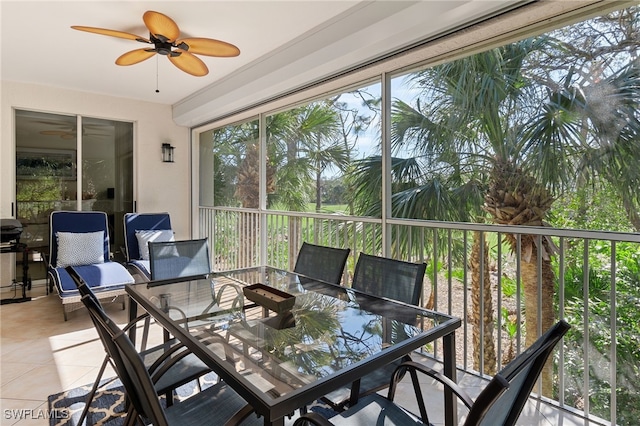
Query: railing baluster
x: 499, y: 307
x: 561, y: 303
x: 518, y: 292
x: 614, y: 341
x: 450, y: 271
x: 481, y: 302
x: 435, y: 278
x: 235, y: 239
x: 585, y: 328
x: 465, y: 297
x: 539, y: 297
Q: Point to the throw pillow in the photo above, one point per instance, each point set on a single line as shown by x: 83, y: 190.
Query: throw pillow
x: 80, y: 248
x: 144, y: 237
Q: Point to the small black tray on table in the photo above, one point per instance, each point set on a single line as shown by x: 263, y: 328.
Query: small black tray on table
x: 269, y: 297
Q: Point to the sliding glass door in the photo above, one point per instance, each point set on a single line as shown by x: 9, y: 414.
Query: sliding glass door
x: 59, y: 168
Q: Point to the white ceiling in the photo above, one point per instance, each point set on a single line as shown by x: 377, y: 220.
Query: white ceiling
x: 283, y: 44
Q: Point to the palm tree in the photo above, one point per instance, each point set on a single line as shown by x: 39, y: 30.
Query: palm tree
x: 492, y: 119
x: 302, y: 144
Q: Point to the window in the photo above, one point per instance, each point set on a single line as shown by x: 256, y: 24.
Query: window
x: 313, y: 147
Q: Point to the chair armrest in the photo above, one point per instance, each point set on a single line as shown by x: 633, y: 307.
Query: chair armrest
x: 134, y: 321
x: 414, y: 367
x: 238, y: 300
x: 312, y: 418
x: 169, y: 358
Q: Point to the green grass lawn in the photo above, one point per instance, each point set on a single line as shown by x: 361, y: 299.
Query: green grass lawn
x: 274, y: 221
x: 336, y: 208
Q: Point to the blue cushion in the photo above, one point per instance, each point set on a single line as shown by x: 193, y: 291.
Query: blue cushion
x: 142, y: 266
x: 74, y: 221
x: 141, y: 221
x: 108, y: 275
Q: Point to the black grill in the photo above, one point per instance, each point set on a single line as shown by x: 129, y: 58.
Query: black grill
x: 11, y: 229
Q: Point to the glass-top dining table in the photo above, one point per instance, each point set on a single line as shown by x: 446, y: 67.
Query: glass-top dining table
x: 282, y: 340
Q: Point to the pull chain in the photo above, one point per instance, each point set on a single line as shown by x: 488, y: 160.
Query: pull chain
x: 157, y: 90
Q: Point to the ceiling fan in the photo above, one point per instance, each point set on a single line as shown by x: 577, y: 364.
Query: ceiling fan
x: 163, y: 35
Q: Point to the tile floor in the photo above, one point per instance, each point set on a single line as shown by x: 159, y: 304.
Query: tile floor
x: 41, y: 354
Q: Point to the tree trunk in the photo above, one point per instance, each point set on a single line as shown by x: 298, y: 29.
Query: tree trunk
x: 318, y: 192
x: 515, y: 198
x: 249, y: 232
x: 294, y: 239
x: 547, y: 316
x: 487, y: 324
x: 632, y: 212
x: 248, y: 192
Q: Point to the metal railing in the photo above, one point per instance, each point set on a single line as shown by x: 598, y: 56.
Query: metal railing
x: 596, y: 280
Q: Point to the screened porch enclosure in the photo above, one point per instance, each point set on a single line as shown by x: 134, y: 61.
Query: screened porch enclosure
x: 593, y: 375
x: 512, y: 171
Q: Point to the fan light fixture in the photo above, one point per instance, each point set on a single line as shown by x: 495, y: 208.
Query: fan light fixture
x: 167, y: 153
x: 163, y: 35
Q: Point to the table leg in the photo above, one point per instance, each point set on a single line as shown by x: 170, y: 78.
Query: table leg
x: 449, y: 361
x: 133, y: 314
x: 355, y: 393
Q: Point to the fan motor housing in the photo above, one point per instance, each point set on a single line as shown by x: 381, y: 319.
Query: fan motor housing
x: 162, y: 47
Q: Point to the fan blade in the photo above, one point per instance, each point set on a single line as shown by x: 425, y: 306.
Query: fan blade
x: 209, y: 47
x: 112, y: 33
x: 57, y: 123
x: 189, y: 63
x: 161, y: 25
x: 135, y: 56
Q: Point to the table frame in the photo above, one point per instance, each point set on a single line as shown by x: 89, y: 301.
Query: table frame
x: 274, y: 413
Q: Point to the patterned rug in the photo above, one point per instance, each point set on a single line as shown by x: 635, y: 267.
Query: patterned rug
x: 107, y: 408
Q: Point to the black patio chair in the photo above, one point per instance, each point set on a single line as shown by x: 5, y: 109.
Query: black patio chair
x: 176, y: 259
x: 321, y: 263
x: 383, y: 277
x: 216, y: 405
x: 177, y: 364
x: 500, y: 402
x: 390, y: 278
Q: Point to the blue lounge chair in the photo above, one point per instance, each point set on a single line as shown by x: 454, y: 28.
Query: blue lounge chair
x: 144, y: 228
x: 81, y: 240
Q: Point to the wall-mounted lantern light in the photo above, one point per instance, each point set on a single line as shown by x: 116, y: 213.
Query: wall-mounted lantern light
x: 167, y: 153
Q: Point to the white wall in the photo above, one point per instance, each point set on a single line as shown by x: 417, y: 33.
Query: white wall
x: 158, y: 186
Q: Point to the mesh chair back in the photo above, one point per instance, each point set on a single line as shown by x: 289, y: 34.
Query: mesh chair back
x: 73, y: 221
x: 390, y: 278
x: 176, y: 259
x: 502, y: 401
x: 128, y: 364
x: 141, y: 222
x: 321, y: 263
